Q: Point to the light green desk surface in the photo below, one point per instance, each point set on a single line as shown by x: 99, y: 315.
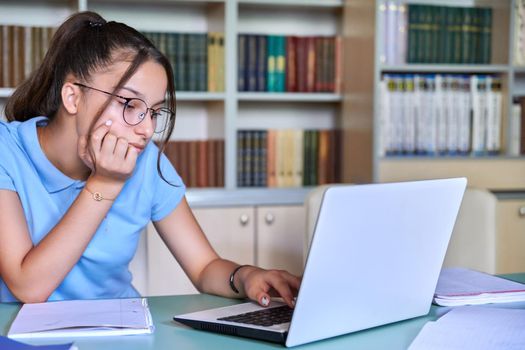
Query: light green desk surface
x: 171, y: 335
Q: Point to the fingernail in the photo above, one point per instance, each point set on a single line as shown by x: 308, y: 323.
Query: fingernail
x: 109, y: 122
x: 265, y: 301
x: 293, y: 302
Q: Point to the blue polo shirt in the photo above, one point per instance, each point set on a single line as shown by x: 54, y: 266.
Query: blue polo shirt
x: 46, y: 194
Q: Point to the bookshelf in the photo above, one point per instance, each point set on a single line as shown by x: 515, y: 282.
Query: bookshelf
x: 209, y: 115
x: 365, y: 24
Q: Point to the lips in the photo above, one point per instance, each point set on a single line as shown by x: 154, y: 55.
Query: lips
x: 138, y: 147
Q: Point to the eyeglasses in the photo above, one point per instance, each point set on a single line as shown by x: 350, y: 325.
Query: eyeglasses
x: 134, y: 111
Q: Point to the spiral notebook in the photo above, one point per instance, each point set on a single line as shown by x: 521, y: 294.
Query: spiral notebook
x: 82, y: 318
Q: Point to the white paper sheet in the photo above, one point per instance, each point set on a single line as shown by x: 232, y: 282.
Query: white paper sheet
x: 476, y: 328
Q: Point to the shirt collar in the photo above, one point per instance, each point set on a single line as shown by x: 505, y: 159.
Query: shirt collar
x: 52, y: 178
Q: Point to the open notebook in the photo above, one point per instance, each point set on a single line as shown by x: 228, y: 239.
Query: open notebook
x: 82, y: 318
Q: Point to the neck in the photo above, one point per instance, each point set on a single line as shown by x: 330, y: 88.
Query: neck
x: 59, y: 144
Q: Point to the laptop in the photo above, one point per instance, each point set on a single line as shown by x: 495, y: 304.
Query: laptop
x: 374, y: 259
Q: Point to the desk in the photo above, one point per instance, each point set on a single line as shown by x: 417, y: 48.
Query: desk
x: 170, y: 335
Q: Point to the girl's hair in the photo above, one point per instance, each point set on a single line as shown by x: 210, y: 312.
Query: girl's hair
x: 84, y: 44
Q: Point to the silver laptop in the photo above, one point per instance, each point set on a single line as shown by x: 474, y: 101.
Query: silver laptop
x: 374, y: 259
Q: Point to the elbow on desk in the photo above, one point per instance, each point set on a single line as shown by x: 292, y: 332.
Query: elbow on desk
x: 28, y: 295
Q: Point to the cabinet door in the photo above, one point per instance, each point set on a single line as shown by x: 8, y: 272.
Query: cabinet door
x: 511, y: 236
x: 231, y: 233
x: 280, y: 237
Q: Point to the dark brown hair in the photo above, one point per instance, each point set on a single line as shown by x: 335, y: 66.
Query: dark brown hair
x: 82, y: 45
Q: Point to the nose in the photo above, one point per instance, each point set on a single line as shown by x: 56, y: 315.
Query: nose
x: 146, y: 127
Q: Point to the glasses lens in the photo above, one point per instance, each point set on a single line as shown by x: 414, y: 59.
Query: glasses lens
x: 135, y: 111
x: 161, y: 118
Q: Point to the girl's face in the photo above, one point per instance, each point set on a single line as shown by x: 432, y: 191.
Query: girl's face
x: 149, y: 83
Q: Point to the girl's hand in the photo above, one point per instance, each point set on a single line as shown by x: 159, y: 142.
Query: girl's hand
x: 260, y: 285
x: 108, y: 157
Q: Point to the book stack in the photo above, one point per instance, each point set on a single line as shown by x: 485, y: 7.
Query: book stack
x: 197, y: 59
x: 438, y: 114
x: 415, y: 33
x: 21, y: 51
x: 287, y: 158
x: 276, y: 63
x: 200, y: 163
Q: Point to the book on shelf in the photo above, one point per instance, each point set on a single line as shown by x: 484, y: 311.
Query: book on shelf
x: 435, y: 114
x: 200, y: 163
x: 82, y: 318
x: 460, y: 286
x: 418, y: 33
x: 197, y: 59
x: 287, y: 157
x: 517, y: 136
x: 22, y: 49
x: 277, y: 63
x: 519, y: 32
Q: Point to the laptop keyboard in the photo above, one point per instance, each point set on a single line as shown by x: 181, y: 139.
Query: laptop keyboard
x: 265, y: 317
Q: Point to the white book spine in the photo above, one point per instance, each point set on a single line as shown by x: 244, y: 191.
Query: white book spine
x: 410, y: 125
x: 384, y: 34
x: 419, y: 96
x: 455, y: 109
x: 515, y: 135
x: 495, y: 111
x: 434, y: 109
x: 440, y: 114
x: 477, y: 86
x: 465, y: 115
x: 398, y: 111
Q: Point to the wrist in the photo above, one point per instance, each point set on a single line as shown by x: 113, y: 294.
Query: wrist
x: 102, y: 189
x: 238, y: 277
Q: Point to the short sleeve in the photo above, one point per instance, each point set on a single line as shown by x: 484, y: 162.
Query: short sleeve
x: 6, y: 182
x: 168, y: 194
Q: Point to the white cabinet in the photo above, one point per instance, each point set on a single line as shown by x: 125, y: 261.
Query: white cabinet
x: 280, y: 238
x: 510, y: 243
x: 229, y: 230
x: 268, y: 236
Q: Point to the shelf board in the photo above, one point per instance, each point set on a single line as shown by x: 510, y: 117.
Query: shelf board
x: 301, y: 3
x: 446, y: 68
x: 288, y: 97
x: 214, y: 197
x: 199, y: 96
x: 495, y: 173
x: 180, y: 96
x: 6, y: 92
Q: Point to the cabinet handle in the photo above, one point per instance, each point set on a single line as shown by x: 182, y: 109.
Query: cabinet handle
x: 269, y: 218
x: 244, y: 219
x: 521, y: 211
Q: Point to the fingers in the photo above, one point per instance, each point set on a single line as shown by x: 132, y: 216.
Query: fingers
x: 110, y: 156
x: 276, y: 283
x: 99, y: 134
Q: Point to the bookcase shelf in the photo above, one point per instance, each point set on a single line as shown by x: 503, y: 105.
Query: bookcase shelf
x: 289, y: 97
x: 365, y: 28
x: 219, y: 115
x: 447, y: 68
x: 297, y: 3
x: 200, y: 96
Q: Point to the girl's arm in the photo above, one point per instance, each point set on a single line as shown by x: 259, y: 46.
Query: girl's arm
x: 32, y: 273
x: 211, y: 274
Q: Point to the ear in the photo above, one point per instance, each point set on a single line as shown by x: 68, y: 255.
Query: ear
x: 70, y: 97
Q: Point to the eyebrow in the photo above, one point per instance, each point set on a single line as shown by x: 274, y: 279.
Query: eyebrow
x: 141, y: 95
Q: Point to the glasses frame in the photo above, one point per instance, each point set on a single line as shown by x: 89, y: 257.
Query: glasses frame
x: 128, y: 100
